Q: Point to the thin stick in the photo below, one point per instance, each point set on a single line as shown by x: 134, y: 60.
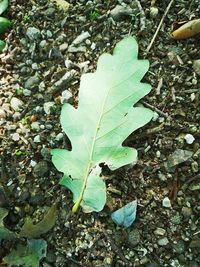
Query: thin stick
x: 142, y: 16
x: 159, y: 26
x: 155, y: 109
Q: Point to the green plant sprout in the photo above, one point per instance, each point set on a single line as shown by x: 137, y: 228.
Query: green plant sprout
x: 105, y: 117
x: 26, y: 18
x: 94, y: 15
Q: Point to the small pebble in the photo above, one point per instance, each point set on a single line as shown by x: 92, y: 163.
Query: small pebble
x: 153, y: 12
x: 33, y: 163
x: 35, y: 126
x: 63, y: 47
x: 163, y: 241
x: 66, y: 95
x: 59, y: 137
x: 33, y: 33
x: 120, y: 12
x: 26, y: 92
x: 187, y: 212
x: 82, y: 37
x: 159, y: 231
x: 15, y: 137
x: 189, y: 138
x: 47, y: 107
x: 16, y: 104
x: 37, y: 139
x: 166, y: 202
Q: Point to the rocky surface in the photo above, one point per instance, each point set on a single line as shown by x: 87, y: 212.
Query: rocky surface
x: 47, y: 51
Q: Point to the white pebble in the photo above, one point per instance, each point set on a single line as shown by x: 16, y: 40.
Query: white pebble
x: 16, y: 104
x: 66, y: 95
x: 15, y: 137
x: 37, y: 139
x: 189, y: 138
x: 59, y: 137
x: 166, y: 202
x: 33, y: 163
x: 79, y: 39
x: 93, y: 46
x: 47, y: 107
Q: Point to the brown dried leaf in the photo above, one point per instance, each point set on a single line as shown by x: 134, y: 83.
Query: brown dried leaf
x: 187, y: 30
x: 31, y: 230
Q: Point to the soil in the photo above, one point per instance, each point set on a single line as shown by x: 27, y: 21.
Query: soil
x: 165, y: 180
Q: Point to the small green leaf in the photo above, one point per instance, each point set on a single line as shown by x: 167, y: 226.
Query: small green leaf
x: 28, y: 255
x: 35, y: 230
x: 4, y: 24
x: 3, y: 6
x: 4, y: 232
x: 2, y: 45
x: 105, y: 117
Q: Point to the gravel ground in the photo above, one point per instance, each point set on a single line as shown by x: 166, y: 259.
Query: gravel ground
x: 41, y: 67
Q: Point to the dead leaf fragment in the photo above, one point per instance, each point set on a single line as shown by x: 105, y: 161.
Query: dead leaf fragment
x: 31, y: 230
x: 188, y: 30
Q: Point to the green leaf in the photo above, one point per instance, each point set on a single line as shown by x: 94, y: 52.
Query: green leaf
x: 3, y: 6
x: 105, y: 117
x: 35, y: 230
x: 2, y: 45
x: 4, y: 24
x: 4, y: 232
x: 28, y: 255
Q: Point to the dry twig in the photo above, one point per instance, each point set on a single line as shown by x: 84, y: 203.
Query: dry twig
x: 142, y: 16
x: 159, y: 26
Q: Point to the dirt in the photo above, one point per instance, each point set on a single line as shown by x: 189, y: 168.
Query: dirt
x: 167, y: 170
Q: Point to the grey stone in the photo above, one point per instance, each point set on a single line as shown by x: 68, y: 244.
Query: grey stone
x: 179, y: 247
x: 196, y: 66
x: 35, y: 66
x: 16, y: 104
x: 195, y: 166
x: 159, y: 231
x: 32, y: 81
x: 153, y: 12
x: 179, y: 156
x: 26, y: 92
x: 48, y: 106
x: 63, y: 47
x: 134, y: 237
x: 73, y: 49
x: 46, y: 153
x: 33, y: 33
x: 65, y: 79
x: 176, y: 219
x: 120, y: 12
x: 55, y: 54
x: 166, y: 202
x: 41, y: 169
x: 50, y: 12
x: 66, y: 96
x: 163, y: 241
x: 35, y: 126
x: 187, y: 212
x: 37, y: 200
x: 195, y: 243
x: 43, y: 44
x: 82, y: 37
x: 37, y: 139
x: 49, y: 34
x: 59, y: 137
